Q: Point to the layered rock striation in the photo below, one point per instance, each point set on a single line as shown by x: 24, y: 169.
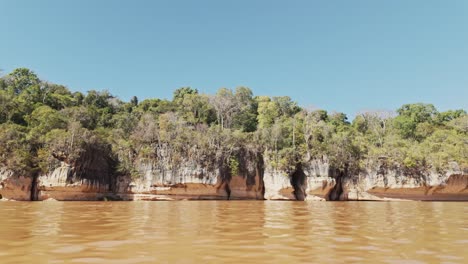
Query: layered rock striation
x: 317, y: 180
x: 254, y: 179
x: 378, y: 182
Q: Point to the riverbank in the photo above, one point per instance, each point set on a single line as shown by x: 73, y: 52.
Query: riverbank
x: 315, y: 182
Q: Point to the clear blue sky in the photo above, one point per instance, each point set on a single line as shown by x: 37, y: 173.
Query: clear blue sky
x: 336, y: 55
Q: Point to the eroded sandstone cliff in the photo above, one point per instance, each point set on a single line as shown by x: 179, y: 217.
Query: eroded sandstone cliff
x: 316, y: 180
x: 310, y: 181
x: 94, y: 180
x: 378, y: 182
x: 14, y: 187
x: 255, y: 179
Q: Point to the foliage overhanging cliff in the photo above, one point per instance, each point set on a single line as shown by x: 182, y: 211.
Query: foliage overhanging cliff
x: 43, y: 124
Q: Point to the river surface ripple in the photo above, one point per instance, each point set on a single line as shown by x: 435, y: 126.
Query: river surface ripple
x: 234, y: 232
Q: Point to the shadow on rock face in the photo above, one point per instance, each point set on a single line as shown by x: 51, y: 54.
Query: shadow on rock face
x: 337, y: 191
x: 298, y: 182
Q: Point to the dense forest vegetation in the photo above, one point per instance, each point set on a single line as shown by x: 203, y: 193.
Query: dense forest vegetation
x: 43, y: 124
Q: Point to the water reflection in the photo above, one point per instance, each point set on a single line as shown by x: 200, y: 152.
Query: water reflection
x: 233, y: 232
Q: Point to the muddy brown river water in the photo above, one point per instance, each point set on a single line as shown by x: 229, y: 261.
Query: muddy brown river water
x: 233, y: 232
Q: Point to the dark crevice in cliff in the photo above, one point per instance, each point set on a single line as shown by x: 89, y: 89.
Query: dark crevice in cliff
x: 34, y: 188
x: 252, y: 168
x: 228, y: 191
x: 298, y: 182
x: 226, y: 177
x: 95, y: 166
x: 336, y: 193
x: 337, y: 190
x: 260, y: 170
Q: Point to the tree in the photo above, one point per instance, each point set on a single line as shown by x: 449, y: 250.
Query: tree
x: 285, y: 105
x: 65, y: 145
x: 78, y: 98
x: 125, y: 121
x: 15, y: 151
x: 146, y: 135
x: 447, y: 116
x: 44, y: 119
x: 56, y: 96
x: 246, y: 118
x: 339, y: 121
x: 20, y: 79
x: 194, y: 108
x: 149, y: 105
x: 459, y: 124
x: 376, y: 124
x: 97, y: 99
x: 6, y: 106
x: 316, y: 131
x: 225, y: 105
x: 180, y: 93
x: 410, y: 115
x: 267, y: 111
x: 134, y: 101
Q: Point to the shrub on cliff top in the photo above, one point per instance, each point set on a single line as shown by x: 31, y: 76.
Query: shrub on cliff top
x: 42, y: 123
